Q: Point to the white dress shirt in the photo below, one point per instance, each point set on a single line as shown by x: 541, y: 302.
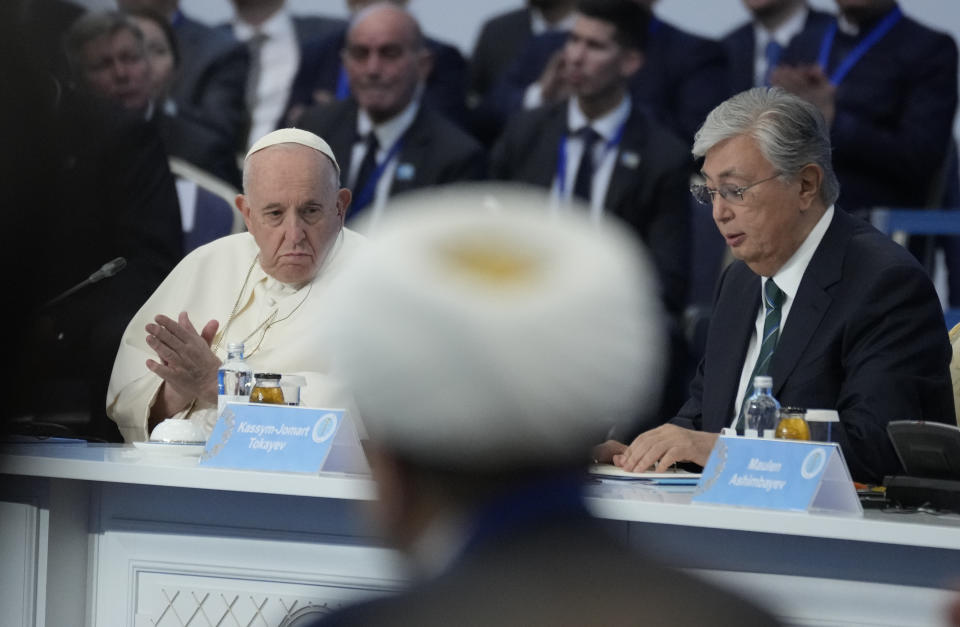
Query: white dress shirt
x: 388, y: 134
x: 788, y: 280
x: 604, y: 154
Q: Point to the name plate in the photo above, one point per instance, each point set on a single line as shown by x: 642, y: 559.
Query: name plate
x: 778, y: 474
x: 257, y: 436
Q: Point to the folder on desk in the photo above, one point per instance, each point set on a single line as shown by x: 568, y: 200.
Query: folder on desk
x: 671, y: 477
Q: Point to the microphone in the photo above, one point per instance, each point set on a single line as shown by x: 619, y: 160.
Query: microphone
x: 106, y: 271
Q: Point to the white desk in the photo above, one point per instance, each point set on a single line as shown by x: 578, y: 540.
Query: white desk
x: 110, y: 536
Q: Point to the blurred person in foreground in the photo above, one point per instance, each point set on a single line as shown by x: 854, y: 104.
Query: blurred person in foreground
x: 850, y: 321
x: 265, y: 288
x: 481, y: 416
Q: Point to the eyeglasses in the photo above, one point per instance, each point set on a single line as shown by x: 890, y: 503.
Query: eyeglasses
x: 731, y: 193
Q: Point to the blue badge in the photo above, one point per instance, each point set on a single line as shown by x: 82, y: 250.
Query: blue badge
x: 254, y: 436
x: 405, y: 172
x: 778, y: 474
x: 630, y: 159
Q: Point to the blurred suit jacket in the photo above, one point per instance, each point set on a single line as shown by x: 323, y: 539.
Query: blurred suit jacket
x: 438, y: 151
x: 740, y: 48
x: 894, y: 113
x: 212, y: 79
x: 567, y: 572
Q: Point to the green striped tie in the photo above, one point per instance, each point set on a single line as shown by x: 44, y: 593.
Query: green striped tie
x: 773, y: 298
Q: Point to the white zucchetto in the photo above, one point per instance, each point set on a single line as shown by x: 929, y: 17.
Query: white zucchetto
x: 294, y: 136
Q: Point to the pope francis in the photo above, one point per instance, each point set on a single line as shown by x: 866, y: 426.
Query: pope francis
x: 265, y: 288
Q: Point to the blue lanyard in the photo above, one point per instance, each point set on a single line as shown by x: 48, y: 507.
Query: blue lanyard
x: 370, y: 188
x: 562, y: 156
x: 343, y: 85
x: 857, y: 53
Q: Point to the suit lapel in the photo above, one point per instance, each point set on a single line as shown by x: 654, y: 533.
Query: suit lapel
x: 416, y: 144
x: 741, y: 59
x: 544, y: 154
x: 734, y: 322
x: 341, y: 136
x: 812, y: 301
x: 627, y: 169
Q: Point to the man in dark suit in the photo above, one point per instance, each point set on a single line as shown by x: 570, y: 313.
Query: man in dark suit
x: 682, y: 77
x: 755, y: 48
x: 212, y: 78
x: 478, y: 444
x: 888, y: 89
x: 850, y: 320
x: 323, y: 78
x: 502, y: 37
x: 391, y: 140
x: 278, y: 42
x: 634, y: 168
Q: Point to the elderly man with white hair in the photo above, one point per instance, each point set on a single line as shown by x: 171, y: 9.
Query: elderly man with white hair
x: 487, y: 350
x: 265, y: 288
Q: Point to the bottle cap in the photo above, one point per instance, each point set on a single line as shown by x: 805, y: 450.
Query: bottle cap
x: 762, y: 381
x: 268, y: 376
x: 234, y: 347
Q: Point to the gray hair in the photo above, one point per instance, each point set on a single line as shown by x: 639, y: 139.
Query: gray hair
x: 93, y: 26
x: 417, y: 44
x: 790, y: 133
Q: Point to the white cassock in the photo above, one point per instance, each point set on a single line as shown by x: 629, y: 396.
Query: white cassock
x: 277, y: 324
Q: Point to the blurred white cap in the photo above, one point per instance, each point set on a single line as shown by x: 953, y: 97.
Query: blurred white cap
x: 481, y: 331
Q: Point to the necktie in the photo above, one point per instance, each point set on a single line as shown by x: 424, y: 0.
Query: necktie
x: 254, y: 47
x: 583, y: 183
x: 367, y: 167
x: 772, y: 53
x: 773, y: 298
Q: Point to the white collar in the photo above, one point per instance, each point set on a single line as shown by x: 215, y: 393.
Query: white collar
x: 393, y: 129
x: 606, y: 125
x: 847, y: 27
x: 539, y: 26
x: 785, y: 32
x: 788, y: 277
x: 277, y: 26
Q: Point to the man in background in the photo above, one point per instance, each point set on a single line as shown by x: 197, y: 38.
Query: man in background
x: 212, y: 78
x: 600, y: 147
x: 755, y: 48
x: 390, y: 138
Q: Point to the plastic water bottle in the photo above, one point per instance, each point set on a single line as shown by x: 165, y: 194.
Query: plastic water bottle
x: 761, y: 411
x: 234, y: 379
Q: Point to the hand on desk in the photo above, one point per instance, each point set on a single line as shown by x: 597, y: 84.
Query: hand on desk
x: 660, y: 448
